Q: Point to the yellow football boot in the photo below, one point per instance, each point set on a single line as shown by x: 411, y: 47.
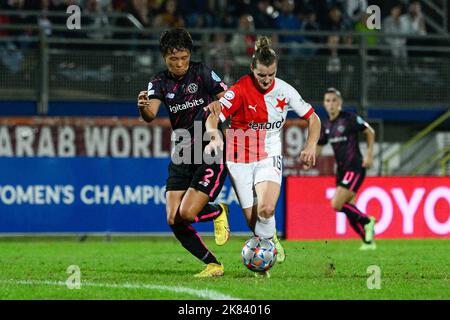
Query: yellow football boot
x: 211, y: 270
x: 221, y: 226
x: 281, y: 255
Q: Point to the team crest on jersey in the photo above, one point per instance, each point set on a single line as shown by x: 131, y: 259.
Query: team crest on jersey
x: 215, y: 76
x: 229, y: 95
x: 281, y: 104
x: 149, y: 89
x: 341, y: 129
x: 192, y: 88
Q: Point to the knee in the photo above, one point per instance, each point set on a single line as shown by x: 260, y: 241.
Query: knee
x: 336, y: 205
x: 266, y: 210
x: 187, y: 213
x: 172, y: 218
x: 171, y: 221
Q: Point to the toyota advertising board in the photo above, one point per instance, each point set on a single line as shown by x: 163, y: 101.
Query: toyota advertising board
x: 405, y: 207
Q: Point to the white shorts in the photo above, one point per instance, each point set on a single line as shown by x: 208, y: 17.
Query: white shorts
x: 245, y: 176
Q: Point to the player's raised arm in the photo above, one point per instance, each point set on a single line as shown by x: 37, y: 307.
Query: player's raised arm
x: 148, y: 108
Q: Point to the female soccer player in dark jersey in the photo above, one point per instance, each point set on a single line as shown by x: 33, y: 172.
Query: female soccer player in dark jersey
x: 186, y: 88
x: 341, y: 130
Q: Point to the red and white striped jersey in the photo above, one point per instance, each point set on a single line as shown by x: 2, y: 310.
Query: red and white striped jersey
x: 257, y: 118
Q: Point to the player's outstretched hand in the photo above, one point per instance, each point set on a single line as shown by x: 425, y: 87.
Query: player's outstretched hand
x: 214, y: 145
x: 308, y: 157
x: 143, y: 100
x: 215, y: 108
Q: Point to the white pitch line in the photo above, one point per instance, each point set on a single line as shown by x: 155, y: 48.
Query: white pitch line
x: 204, y: 293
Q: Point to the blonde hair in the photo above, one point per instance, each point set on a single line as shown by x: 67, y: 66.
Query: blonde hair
x: 264, y: 54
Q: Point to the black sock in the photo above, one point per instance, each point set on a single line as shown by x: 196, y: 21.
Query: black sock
x: 359, y: 229
x: 351, y: 210
x: 191, y: 240
x: 356, y: 218
x: 208, y: 213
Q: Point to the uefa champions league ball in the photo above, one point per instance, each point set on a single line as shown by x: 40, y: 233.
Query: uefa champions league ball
x: 259, y: 254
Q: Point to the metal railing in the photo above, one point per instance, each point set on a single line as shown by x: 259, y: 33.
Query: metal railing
x: 445, y: 165
x: 423, y: 133
x: 438, y: 157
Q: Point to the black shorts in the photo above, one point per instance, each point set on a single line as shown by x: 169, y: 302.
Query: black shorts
x: 351, y: 179
x: 207, y: 178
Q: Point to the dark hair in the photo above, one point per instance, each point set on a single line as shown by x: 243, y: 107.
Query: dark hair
x: 335, y: 91
x: 175, y: 39
x: 264, y: 54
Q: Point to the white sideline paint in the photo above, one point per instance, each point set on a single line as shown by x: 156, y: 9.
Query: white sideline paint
x: 205, y: 293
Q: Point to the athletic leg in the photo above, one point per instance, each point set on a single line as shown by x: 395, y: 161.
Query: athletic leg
x: 267, y: 193
x: 268, y: 178
x: 340, y: 203
x: 183, y: 231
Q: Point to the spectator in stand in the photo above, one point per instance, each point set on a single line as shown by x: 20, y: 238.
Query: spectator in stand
x: 336, y: 22
x: 287, y: 20
x: 170, y: 17
x: 263, y: 15
x: 13, y: 54
x: 231, y: 11
x: 197, y: 13
x: 354, y: 9
x: 361, y: 26
x: 322, y: 7
x: 14, y: 19
x: 44, y: 21
x: 222, y: 56
x: 414, y: 20
x: 100, y: 22
x: 310, y: 23
x: 243, y: 44
x: 393, y: 24
x: 4, y: 19
x: 139, y: 9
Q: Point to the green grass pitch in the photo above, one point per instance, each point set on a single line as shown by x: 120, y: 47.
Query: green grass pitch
x: 159, y: 268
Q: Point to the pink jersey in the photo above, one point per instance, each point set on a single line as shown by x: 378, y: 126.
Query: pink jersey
x: 260, y: 116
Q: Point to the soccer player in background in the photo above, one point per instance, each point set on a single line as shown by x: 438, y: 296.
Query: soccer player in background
x: 341, y: 130
x: 257, y: 105
x: 186, y: 88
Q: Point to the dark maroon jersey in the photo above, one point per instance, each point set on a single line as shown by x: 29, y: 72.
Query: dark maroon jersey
x: 342, y: 133
x: 186, y: 98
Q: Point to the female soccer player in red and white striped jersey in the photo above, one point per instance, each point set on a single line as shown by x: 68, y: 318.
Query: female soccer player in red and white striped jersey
x: 257, y: 105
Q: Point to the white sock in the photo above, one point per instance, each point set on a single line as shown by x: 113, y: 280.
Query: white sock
x: 265, y: 227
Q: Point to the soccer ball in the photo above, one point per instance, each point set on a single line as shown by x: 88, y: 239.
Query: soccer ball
x: 259, y: 254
